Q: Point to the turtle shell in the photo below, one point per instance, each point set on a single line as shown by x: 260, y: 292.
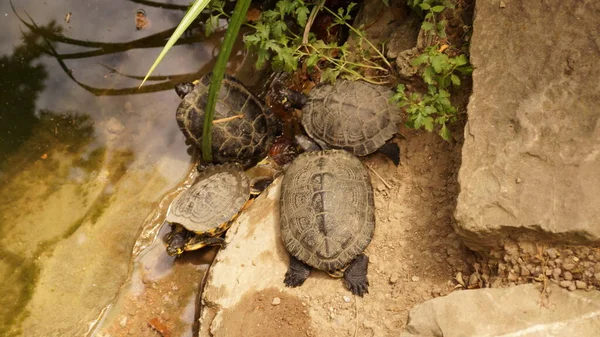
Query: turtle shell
x: 352, y: 115
x: 243, y: 130
x: 327, y: 211
x: 215, y: 196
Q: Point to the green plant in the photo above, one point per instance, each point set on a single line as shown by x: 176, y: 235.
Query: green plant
x: 276, y: 41
x: 440, y: 72
x: 430, y: 9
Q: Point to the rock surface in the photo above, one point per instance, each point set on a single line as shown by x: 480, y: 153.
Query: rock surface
x: 532, y: 143
x: 414, y: 256
x: 518, y: 311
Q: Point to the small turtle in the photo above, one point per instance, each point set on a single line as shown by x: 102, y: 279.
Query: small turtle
x: 243, y: 127
x: 200, y: 214
x: 327, y: 216
x: 352, y: 115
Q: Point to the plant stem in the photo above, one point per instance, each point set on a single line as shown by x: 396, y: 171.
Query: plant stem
x: 237, y: 18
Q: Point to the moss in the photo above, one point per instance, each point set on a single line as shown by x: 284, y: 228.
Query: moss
x: 94, y: 160
x: 18, y: 289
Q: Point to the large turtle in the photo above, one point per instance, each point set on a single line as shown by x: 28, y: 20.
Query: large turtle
x: 352, y: 115
x: 243, y: 127
x: 327, y: 217
x: 201, y: 213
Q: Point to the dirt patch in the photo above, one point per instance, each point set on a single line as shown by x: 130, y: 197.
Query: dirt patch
x: 268, y: 313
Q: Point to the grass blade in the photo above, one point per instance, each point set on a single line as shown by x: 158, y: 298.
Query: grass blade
x: 189, y: 17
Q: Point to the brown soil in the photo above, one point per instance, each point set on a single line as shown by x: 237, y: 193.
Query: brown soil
x: 269, y: 313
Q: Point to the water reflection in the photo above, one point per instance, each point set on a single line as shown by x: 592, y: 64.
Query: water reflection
x: 85, y: 160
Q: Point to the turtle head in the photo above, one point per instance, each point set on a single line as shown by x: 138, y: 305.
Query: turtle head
x: 176, y: 241
x: 184, y: 88
x: 174, y: 251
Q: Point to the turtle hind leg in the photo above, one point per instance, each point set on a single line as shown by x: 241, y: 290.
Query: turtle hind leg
x: 297, y: 273
x: 355, y: 275
x: 392, y: 151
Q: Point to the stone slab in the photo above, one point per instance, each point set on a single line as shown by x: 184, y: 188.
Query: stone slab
x: 521, y: 311
x: 531, y: 157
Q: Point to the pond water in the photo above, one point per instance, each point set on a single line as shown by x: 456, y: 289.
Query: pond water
x: 88, y: 164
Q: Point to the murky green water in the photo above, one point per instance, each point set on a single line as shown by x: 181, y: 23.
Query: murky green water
x: 85, y: 159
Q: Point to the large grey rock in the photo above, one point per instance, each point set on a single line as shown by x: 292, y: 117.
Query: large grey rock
x: 531, y: 159
x: 518, y: 311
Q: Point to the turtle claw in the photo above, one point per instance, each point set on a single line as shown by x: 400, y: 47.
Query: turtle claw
x: 355, y: 276
x: 297, y: 273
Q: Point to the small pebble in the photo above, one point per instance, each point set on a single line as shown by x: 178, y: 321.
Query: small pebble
x: 415, y: 278
x: 565, y: 284
x: 512, y: 276
x: 572, y: 287
x: 474, y: 280
x: 597, y: 276
x: 123, y: 321
x: 552, y: 253
x: 346, y: 299
x: 580, y: 284
x: 276, y: 301
x: 393, y: 278
x: 568, y: 266
x: 556, y: 273
x: 525, y: 271
x: 568, y: 276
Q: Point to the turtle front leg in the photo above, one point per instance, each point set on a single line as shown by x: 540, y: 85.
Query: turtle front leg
x: 297, y: 273
x: 355, y: 275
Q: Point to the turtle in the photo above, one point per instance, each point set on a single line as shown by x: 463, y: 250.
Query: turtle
x: 327, y: 217
x: 356, y: 116
x: 201, y: 213
x: 243, y: 127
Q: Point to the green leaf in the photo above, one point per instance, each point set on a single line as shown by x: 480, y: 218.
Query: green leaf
x: 312, y: 60
x: 425, y: 6
x: 460, y: 60
x: 272, y: 45
x: 262, y: 31
x: 211, y: 24
x: 285, y: 7
x: 438, y: 9
x: 302, y: 15
x: 439, y: 63
x: 455, y: 80
x: 278, y: 29
x: 429, y: 110
x: 329, y: 75
x: 445, y: 133
x: 428, y: 123
x: 427, y: 26
x: 262, y: 57
x: 429, y: 75
x: 189, y: 17
x: 419, y: 59
x: 251, y: 39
